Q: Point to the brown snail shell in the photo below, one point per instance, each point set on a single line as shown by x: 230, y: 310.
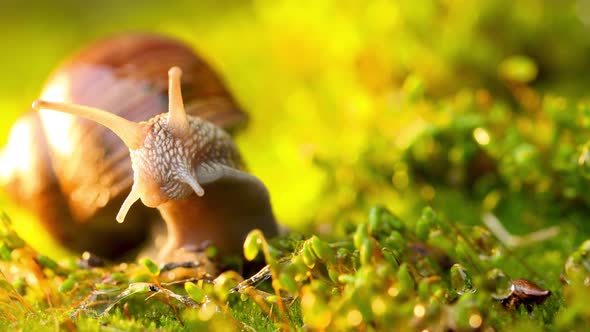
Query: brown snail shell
x: 76, y: 173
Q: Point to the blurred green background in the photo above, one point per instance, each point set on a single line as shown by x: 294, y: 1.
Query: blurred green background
x: 341, y: 93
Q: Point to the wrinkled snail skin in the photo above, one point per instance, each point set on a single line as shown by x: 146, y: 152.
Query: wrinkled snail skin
x: 78, y: 173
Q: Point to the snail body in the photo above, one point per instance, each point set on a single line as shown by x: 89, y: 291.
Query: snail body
x: 78, y: 173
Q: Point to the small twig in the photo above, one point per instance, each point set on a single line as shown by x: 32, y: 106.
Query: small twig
x: 513, y: 241
x: 183, y: 281
x: 254, y: 280
x: 167, y: 302
x: 510, y: 241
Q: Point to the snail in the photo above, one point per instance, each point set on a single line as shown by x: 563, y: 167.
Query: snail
x: 171, y: 150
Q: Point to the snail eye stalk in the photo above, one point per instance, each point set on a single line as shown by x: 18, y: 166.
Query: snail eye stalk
x: 177, y: 119
x: 130, y: 132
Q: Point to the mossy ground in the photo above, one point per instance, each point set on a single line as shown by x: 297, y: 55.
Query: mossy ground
x: 385, y: 128
x: 386, y: 274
